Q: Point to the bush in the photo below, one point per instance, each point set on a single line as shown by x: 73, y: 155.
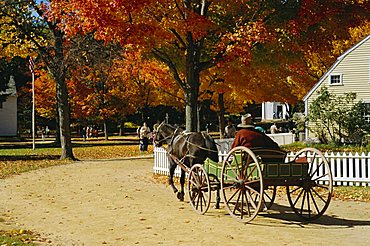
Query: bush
x: 338, y: 119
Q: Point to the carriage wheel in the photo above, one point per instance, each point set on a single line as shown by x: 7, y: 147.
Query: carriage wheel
x: 310, y: 200
x: 242, y: 184
x: 199, y: 189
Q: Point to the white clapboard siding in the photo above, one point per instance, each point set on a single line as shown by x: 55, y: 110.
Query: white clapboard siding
x: 347, y: 169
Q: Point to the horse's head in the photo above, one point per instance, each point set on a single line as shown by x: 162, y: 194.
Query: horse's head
x: 159, y: 136
x: 164, y: 134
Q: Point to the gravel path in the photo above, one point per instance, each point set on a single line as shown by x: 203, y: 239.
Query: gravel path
x: 118, y: 202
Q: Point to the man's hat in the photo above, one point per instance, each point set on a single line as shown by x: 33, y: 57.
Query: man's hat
x: 246, y: 121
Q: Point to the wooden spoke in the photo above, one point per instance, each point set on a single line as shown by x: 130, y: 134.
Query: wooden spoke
x: 232, y: 196
x: 269, y: 195
x: 314, y: 203
x: 318, y: 195
x: 251, y: 172
x: 299, y: 195
x: 320, y: 177
x: 229, y: 165
x: 231, y: 178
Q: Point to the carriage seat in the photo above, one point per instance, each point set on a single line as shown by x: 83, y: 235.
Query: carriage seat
x: 270, y: 155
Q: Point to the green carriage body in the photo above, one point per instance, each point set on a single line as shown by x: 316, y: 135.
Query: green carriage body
x: 248, y: 180
x: 272, y: 163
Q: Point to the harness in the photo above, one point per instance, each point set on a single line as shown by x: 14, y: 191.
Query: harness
x: 204, y: 135
x: 186, y: 136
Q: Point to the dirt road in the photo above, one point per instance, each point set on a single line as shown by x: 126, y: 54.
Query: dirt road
x: 119, y: 203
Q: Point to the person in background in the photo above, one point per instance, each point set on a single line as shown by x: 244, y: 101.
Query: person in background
x: 143, y: 133
x: 260, y: 128
x: 273, y: 129
x: 230, y: 129
x: 249, y: 137
x: 43, y: 133
x: 83, y: 133
x: 47, y: 131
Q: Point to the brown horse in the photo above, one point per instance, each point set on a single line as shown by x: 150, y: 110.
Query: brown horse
x: 188, y: 147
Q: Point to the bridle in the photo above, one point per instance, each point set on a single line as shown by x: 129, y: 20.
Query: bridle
x: 160, y: 142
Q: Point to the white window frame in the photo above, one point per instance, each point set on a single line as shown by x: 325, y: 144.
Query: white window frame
x: 340, y: 79
x: 367, y: 117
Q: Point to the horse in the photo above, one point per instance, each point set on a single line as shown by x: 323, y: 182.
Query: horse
x: 188, y: 147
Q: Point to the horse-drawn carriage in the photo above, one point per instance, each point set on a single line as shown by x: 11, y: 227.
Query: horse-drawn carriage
x: 248, y: 179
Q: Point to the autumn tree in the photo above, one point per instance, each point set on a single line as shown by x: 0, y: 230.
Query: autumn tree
x: 191, y: 37
x: 109, y: 82
x: 148, y: 80
x: 321, y: 32
x: 30, y: 22
x: 188, y: 36
x: 45, y: 94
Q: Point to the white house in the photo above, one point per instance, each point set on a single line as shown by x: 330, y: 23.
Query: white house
x: 350, y: 73
x: 274, y: 110
x: 8, y: 110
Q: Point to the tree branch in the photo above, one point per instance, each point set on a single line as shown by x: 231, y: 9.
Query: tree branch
x: 212, y: 62
x: 172, y: 95
x: 177, y: 35
x: 164, y: 58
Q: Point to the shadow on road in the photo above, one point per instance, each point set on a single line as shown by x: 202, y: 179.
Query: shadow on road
x: 286, y: 214
x: 28, y: 157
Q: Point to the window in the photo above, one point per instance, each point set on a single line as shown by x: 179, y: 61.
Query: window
x: 367, y: 116
x: 335, y: 79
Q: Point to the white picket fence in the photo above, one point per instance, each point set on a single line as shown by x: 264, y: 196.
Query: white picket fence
x: 347, y: 169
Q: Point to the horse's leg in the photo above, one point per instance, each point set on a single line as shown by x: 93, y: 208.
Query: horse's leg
x: 218, y: 199
x: 181, y: 194
x: 215, y: 185
x: 170, y: 177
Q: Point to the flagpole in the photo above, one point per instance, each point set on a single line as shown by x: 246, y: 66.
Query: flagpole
x: 33, y: 111
x: 31, y: 66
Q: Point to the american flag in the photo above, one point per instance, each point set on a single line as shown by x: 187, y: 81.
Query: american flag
x: 31, y: 65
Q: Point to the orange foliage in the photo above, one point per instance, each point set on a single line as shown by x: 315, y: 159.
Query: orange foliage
x: 45, y: 90
x: 224, y: 33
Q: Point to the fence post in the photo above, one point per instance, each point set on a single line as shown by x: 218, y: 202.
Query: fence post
x: 350, y: 166
x: 331, y: 160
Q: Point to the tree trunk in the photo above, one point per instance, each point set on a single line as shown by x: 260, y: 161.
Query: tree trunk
x: 199, y: 108
x: 221, y: 115
x: 192, y: 80
x: 105, y: 130
x: 191, y: 111
x: 58, y: 72
x: 121, y: 128
x: 57, y: 130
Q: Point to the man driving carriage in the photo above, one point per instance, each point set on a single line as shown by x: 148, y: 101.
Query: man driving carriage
x: 250, y: 137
